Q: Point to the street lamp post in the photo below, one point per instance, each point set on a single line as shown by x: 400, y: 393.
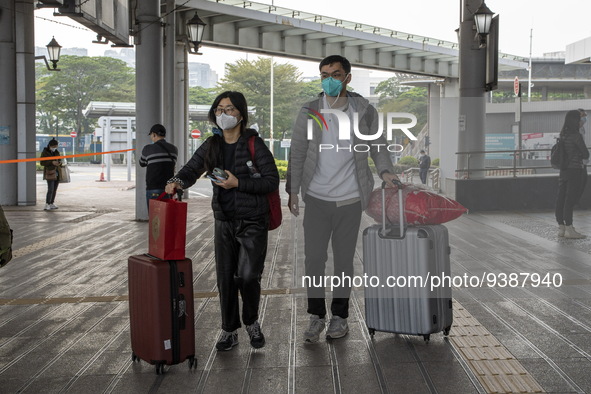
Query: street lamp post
x: 475, y: 16
x: 53, y: 50
x: 195, y: 30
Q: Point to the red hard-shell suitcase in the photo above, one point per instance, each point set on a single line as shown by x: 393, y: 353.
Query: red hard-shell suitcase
x: 161, y: 311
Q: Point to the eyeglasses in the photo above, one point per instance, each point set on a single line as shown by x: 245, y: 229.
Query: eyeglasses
x: 335, y: 75
x: 227, y: 110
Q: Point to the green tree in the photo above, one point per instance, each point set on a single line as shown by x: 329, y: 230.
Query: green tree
x: 390, y: 89
x: 310, y: 90
x: 414, y: 101
x: 201, y: 96
x: 66, y: 93
x: 253, y: 79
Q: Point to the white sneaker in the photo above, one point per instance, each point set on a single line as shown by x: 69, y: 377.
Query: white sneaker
x: 561, y: 229
x: 47, y: 207
x: 337, y: 328
x: 312, y: 334
x: 53, y: 206
x: 571, y: 233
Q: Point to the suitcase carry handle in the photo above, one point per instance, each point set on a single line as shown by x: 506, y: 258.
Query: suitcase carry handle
x: 179, y: 193
x: 400, y: 208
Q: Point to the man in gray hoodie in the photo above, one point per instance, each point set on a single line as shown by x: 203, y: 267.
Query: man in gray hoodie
x: 329, y: 167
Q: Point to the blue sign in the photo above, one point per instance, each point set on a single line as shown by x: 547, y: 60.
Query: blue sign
x: 500, y: 142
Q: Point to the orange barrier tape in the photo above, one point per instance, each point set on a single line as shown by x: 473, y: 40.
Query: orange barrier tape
x: 62, y: 157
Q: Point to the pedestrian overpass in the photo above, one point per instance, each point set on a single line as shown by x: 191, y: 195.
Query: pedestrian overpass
x: 159, y: 33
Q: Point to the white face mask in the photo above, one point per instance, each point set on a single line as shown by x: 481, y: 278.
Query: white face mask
x: 226, y: 122
x: 53, y: 149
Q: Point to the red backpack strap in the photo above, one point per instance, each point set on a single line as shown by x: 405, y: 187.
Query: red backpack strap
x: 251, y: 147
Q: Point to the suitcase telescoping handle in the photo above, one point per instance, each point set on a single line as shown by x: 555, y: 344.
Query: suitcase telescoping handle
x: 400, y: 208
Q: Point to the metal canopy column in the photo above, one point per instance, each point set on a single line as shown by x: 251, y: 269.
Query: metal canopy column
x: 169, y: 73
x: 25, y: 90
x: 148, y: 89
x: 8, y: 119
x: 181, y: 110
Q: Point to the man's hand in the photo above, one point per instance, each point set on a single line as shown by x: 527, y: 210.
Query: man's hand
x: 389, y: 178
x: 293, y: 204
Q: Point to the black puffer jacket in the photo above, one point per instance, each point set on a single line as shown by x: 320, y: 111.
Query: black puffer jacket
x: 251, y: 200
x: 47, y: 164
x: 575, y: 148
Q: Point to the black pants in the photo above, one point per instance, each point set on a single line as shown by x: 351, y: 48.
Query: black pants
x: 584, y: 177
x: 569, y: 185
x: 240, y: 251
x: 51, y: 191
x: 423, y: 175
x: 324, y: 221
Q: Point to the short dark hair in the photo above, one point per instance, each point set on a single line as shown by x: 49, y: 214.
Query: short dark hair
x: 422, y: 151
x: 336, y: 59
x: 52, y: 142
x: 158, y: 129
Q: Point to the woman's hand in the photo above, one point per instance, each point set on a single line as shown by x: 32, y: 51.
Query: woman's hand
x: 171, y: 188
x: 55, y: 162
x: 229, y: 183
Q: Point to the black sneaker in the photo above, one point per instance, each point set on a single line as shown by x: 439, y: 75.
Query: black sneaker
x: 227, y: 341
x: 257, y: 339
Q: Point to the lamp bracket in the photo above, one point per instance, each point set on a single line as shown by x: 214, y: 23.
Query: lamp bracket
x: 46, y: 63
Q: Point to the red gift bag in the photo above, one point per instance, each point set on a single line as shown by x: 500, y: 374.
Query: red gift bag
x: 168, y: 228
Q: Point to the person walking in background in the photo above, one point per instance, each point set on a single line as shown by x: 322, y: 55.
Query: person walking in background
x: 584, y: 175
x: 569, y: 180
x: 424, y: 165
x: 51, y: 173
x: 160, y: 157
x: 335, y: 185
x: 240, y: 209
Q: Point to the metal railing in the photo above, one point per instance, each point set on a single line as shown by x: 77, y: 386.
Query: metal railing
x: 433, y: 176
x: 518, y: 155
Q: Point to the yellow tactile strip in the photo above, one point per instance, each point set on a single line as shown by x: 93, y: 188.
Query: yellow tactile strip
x: 495, y: 367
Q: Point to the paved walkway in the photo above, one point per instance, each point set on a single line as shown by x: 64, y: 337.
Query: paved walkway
x: 64, y: 318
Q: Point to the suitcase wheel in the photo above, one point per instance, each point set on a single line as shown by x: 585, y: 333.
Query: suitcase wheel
x: 371, y: 331
x: 134, y: 358
x: 446, y: 331
x: 192, y: 362
x: 159, y: 368
x: 427, y: 337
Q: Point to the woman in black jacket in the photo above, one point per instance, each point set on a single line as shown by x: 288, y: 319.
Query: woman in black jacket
x: 569, y: 181
x: 51, y: 173
x: 240, y: 210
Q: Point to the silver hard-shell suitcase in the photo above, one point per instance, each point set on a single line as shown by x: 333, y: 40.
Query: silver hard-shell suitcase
x: 405, y: 262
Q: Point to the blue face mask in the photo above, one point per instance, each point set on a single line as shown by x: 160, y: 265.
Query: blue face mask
x: 583, y: 121
x: 332, y: 87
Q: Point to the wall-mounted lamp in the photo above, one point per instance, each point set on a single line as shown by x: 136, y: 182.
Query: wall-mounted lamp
x: 483, y: 19
x: 195, y: 29
x: 53, y: 49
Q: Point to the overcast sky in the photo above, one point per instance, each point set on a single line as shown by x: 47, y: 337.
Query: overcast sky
x: 555, y: 24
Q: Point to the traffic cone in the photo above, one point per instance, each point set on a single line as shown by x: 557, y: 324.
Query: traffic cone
x: 102, y: 178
